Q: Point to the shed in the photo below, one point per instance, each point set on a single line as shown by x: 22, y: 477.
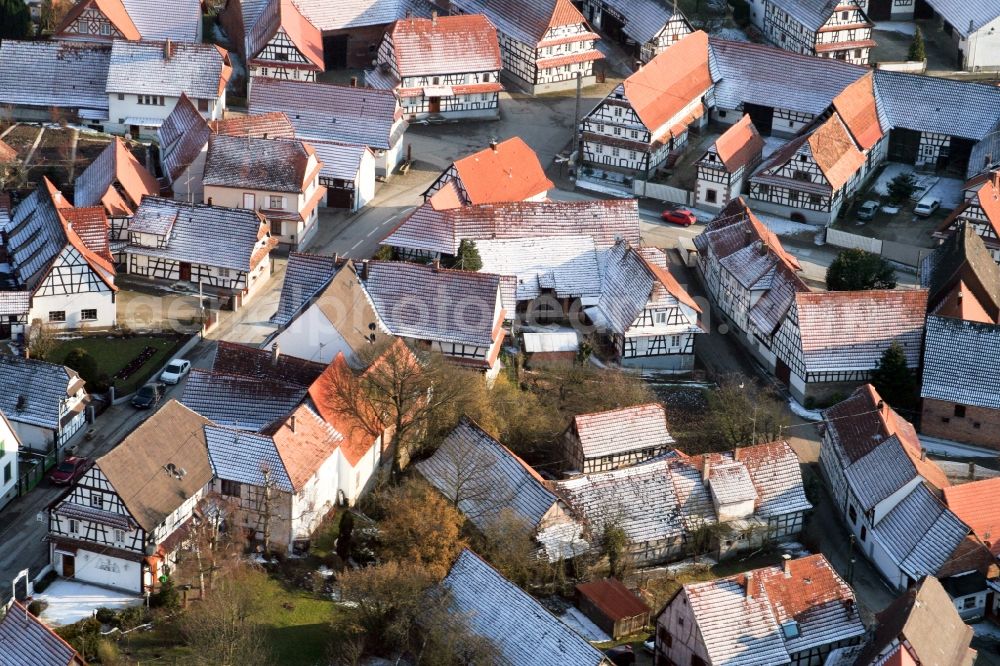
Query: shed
x: 551, y: 346
x: 612, y: 607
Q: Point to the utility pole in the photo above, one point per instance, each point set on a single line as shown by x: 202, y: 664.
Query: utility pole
x: 850, y: 563
x: 577, y: 135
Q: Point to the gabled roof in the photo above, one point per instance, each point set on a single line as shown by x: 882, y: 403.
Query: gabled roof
x: 265, y: 364
x: 962, y: 259
x: 770, y: 309
x: 444, y: 45
x: 26, y: 640
x: 278, y: 165
x: 735, y: 228
x: 428, y: 303
x: 668, y: 83
x: 92, y: 227
x: 968, y: 350
x: 113, y: 10
x: 305, y: 276
x: 926, y: 620
x: 364, y: 116
x: 977, y: 504
x: 521, y: 630
x: 274, y: 125
x: 203, y: 234
x: 644, y: 19
x: 142, y: 19
x: 830, y: 146
x: 240, y: 402
x: 965, y: 14
x: 341, y: 161
x: 739, y: 145
x: 742, y: 618
x: 857, y: 108
x: 607, y: 221
x: 350, y: 14
x: 850, y: 330
x: 614, y: 600
x: 63, y: 74
x: 136, y: 467
x: 506, y: 171
x: 622, y: 430
x: 810, y: 13
x: 182, y: 136
x: 285, y: 16
x: 528, y: 23
x: 355, y: 433
x: 932, y: 104
x: 200, y: 70
x: 115, y: 180
x: 486, y: 478
x: 777, y: 477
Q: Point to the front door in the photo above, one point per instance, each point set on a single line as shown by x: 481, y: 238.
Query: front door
x: 434, y: 104
x: 185, y: 270
x: 68, y: 566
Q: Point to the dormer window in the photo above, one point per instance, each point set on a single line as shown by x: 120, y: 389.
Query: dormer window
x: 790, y: 629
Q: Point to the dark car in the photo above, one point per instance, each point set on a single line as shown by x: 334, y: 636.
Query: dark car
x: 147, y: 396
x: 621, y: 655
x: 69, y: 470
x: 681, y: 216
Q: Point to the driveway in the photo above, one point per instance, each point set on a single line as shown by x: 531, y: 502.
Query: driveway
x: 893, y: 40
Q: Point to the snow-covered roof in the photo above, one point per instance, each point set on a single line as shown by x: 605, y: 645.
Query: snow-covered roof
x: 34, y: 390
x: 967, y: 109
x: 239, y: 401
x: 62, y: 74
x: 965, y: 14
x: 955, y: 348
x: 201, y: 71
x: 305, y: 275
x: 622, y: 430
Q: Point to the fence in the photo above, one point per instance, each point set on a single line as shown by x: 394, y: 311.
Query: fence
x: 911, y: 66
x: 32, y: 468
x: 853, y: 241
x: 900, y: 253
x: 642, y: 188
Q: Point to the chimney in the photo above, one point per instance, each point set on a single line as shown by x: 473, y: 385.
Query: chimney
x: 972, y: 471
x: 493, y: 144
x: 749, y: 576
x: 168, y: 49
x: 706, y: 467
x: 434, y: 17
x: 336, y: 259
x: 354, y: 82
x: 923, y: 453
x: 291, y: 422
x: 210, y: 201
x: 436, y: 265
x: 785, y: 565
x: 364, y: 269
x: 275, y: 353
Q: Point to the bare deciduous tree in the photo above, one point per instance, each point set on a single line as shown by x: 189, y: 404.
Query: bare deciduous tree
x: 222, y: 631
x: 743, y: 413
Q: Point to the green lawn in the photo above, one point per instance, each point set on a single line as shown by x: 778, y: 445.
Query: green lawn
x: 112, y: 354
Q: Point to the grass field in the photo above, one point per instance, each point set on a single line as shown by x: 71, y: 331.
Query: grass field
x: 112, y: 354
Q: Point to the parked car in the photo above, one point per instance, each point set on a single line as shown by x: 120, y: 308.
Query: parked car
x: 867, y: 210
x: 649, y: 645
x: 621, y: 655
x: 681, y: 216
x: 926, y: 207
x: 69, y: 470
x: 175, y: 371
x: 147, y: 396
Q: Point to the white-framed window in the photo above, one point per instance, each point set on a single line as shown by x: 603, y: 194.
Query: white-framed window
x: 224, y: 272
x: 675, y: 341
x: 119, y: 536
x: 96, y: 501
x: 660, y: 317
x: 618, y: 111
x: 74, y: 526
x: 57, y: 315
x: 276, y: 203
x: 89, y: 314
x: 615, y: 151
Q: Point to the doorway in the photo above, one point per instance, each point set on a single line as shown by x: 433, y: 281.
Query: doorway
x: 434, y: 104
x: 762, y: 117
x: 68, y: 566
x: 335, y: 51
x: 185, y: 271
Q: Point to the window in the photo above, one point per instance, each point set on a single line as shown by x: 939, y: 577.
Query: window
x: 230, y: 488
x: 436, y: 80
x: 276, y: 203
x: 661, y: 317
x: 618, y: 111
x: 815, y: 199
x: 802, y: 176
x: 121, y: 96
x: 57, y: 315
x: 680, y: 622
x: 119, y: 536
x: 203, y: 105
x: 618, y: 131
x: 764, y: 190
x: 6, y: 473
x: 634, y: 134
x: 88, y: 315
x: 223, y: 272
x: 486, y: 77
x: 802, y: 158
x: 96, y: 501
x: 960, y: 411
x: 945, y: 419
x: 844, y: 15
x: 675, y: 341
x: 969, y: 602
x: 722, y: 114
x: 852, y: 513
x: 857, y: 53
x: 711, y: 196
x: 615, y: 151
x: 105, y: 29
x: 281, y: 56
x: 864, y: 532
x: 249, y: 201
x: 74, y: 526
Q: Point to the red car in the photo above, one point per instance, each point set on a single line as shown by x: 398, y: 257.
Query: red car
x: 681, y: 216
x: 69, y: 470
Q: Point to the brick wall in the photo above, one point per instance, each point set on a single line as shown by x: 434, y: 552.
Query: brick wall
x: 961, y: 428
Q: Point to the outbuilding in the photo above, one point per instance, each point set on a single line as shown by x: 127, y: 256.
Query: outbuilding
x: 612, y: 607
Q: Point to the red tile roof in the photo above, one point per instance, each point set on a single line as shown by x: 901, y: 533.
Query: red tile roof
x: 7, y: 154
x: 670, y: 283
x: 835, y: 152
x: 356, y: 432
x: 104, y: 268
x: 285, y: 16
x: 739, y: 145
x: 856, y: 106
x: 116, y: 165
x: 304, y: 443
x: 564, y: 13
x: 809, y: 582
x: 91, y: 225
x: 272, y: 125
x: 670, y: 81
x: 977, y: 504
x: 612, y: 598
x: 509, y: 171
x: 444, y: 45
x: 239, y: 359
x: 113, y: 10
x: 571, y: 59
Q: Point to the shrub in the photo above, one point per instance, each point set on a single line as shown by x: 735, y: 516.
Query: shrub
x: 917, y: 53
x: 167, y: 597
x: 105, y: 615
x: 901, y: 188
x: 385, y: 253
x: 107, y: 652
x: 131, y: 617
x: 37, y: 606
x: 741, y: 12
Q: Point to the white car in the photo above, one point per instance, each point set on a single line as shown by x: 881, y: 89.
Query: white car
x: 926, y: 207
x: 175, y: 371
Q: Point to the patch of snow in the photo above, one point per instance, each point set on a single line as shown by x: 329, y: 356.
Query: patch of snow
x: 892, y: 210
x: 611, y: 188
x: 324, y: 571
x: 802, y: 412
x: 893, y: 169
x: 948, y: 191
x: 783, y: 227
x: 771, y: 144
x: 732, y: 34
x: 582, y: 625
x: 958, y: 472
x: 986, y: 630
x: 902, y: 27
x: 70, y: 601
x: 949, y: 449
x: 795, y: 549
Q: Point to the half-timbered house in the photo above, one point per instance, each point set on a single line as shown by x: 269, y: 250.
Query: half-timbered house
x: 485, y: 480
x: 67, y: 79
x: 123, y: 522
x: 504, y: 171
x: 10, y: 451
x: 44, y: 402
x: 227, y: 251
x: 889, y: 494
x: 727, y: 164
x: 962, y: 278
x: 789, y: 615
x: 342, y: 114
x: 753, y: 494
x: 442, y: 67
x: 183, y: 142
x: 348, y: 174
x: 107, y: 20
x: 974, y: 29
x: 644, y: 27
x: 283, y: 44
x: 544, y: 45
x: 980, y: 211
x: 647, y: 118
x: 809, y: 178
x: 648, y: 317
x: 28, y: 640
x: 457, y: 313
x: 68, y: 283
x: 603, y: 441
x: 277, y: 177
x: 837, y: 29
x: 117, y: 182
x: 146, y: 79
